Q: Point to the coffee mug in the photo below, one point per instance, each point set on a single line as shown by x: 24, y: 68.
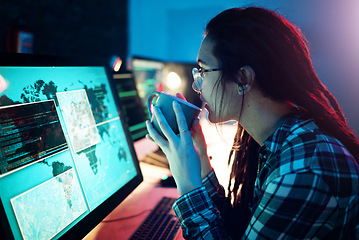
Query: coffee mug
x: 165, y: 103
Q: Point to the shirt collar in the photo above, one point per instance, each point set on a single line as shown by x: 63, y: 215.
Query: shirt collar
x: 276, y: 140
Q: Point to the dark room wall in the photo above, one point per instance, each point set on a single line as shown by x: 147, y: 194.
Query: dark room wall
x: 92, y: 30
x: 173, y: 32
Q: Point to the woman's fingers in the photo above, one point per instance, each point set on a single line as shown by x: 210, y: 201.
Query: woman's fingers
x: 197, y: 136
x: 179, y: 95
x: 163, y: 124
x: 182, y: 123
x: 196, y: 126
x: 154, y: 136
x: 149, y: 138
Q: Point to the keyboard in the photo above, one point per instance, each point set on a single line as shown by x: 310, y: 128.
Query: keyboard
x: 161, y: 223
x: 157, y: 158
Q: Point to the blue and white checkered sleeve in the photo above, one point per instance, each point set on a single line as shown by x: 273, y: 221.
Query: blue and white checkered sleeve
x: 210, y: 182
x: 298, y: 206
x: 198, y: 217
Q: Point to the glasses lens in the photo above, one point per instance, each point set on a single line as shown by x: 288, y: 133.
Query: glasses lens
x: 197, y: 80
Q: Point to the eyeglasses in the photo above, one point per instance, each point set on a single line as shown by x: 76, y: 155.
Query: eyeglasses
x: 198, y: 75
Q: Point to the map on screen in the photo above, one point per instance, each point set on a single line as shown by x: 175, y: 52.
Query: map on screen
x: 63, y: 148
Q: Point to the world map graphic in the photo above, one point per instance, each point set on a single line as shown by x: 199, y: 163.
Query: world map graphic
x: 82, y: 179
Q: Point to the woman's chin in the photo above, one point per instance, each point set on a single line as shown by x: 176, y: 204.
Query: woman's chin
x: 212, y: 118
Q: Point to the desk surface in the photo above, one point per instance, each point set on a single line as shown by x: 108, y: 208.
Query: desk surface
x: 142, y: 199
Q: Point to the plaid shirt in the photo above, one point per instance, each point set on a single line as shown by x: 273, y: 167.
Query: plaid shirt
x: 308, y: 188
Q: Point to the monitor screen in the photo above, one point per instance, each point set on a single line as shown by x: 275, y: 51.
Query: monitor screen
x: 177, y: 77
x: 66, y: 155
x: 171, y: 77
x: 132, y: 104
x: 148, y: 77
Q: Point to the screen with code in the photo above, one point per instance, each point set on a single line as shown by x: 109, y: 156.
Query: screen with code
x: 29, y: 132
x: 66, y: 157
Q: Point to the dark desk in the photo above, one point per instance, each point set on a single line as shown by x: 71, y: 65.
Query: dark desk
x: 143, y: 198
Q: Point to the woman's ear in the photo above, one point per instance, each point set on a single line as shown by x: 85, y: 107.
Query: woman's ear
x: 246, y: 77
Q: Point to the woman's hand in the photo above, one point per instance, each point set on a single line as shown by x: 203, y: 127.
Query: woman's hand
x: 200, y: 144
x: 182, y: 156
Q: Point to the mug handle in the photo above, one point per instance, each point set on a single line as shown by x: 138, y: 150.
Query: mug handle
x: 149, y: 101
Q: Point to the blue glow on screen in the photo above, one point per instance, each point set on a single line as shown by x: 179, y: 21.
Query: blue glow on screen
x: 87, y: 176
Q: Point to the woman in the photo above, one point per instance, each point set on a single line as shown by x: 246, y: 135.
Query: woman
x: 295, y: 170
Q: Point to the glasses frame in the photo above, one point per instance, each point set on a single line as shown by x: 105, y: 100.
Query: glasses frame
x: 198, y: 75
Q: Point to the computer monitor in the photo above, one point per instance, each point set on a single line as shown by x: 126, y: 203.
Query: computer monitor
x: 177, y: 77
x: 66, y: 155
x: 171, y: 77
x: 148, y: 77
x: 132, y: 104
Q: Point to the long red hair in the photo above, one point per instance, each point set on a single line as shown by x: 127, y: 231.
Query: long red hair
x: 277, y: 51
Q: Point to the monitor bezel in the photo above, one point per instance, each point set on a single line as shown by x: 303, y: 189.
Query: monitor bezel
x: 90, y: 221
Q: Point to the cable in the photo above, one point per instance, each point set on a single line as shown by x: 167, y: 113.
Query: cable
x: 124, y: 218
